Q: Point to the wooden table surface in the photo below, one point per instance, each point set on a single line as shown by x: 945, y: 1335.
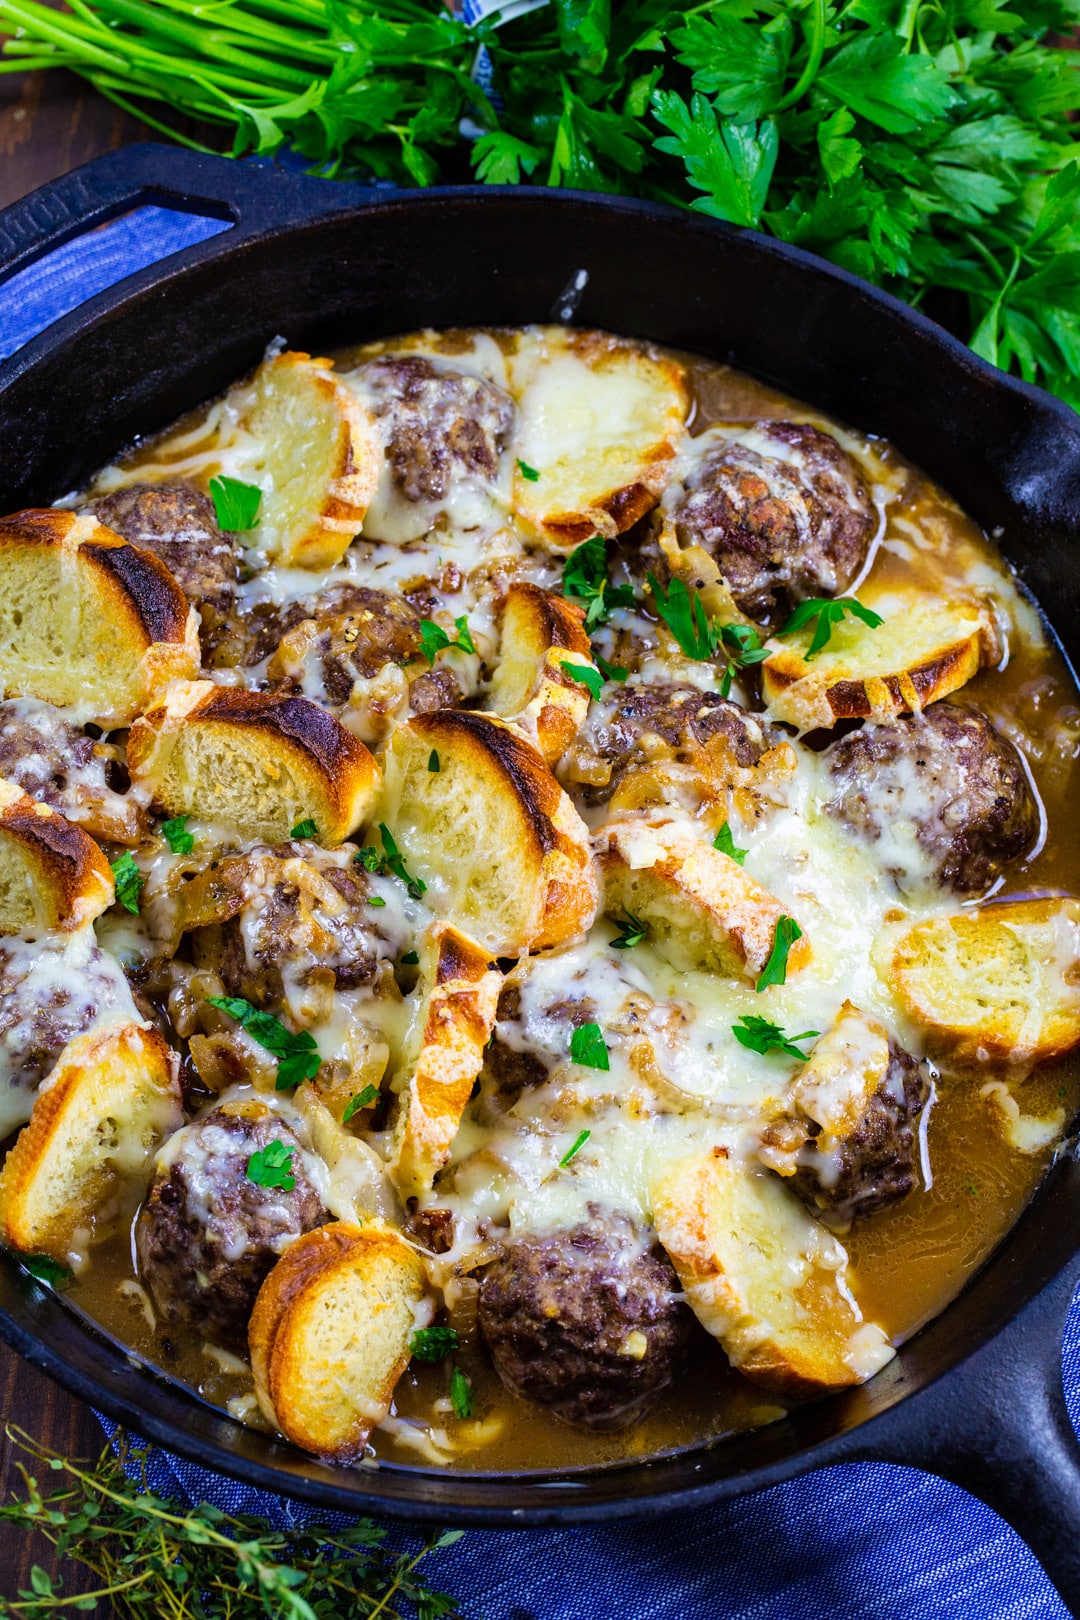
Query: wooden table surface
x: 49, y: 122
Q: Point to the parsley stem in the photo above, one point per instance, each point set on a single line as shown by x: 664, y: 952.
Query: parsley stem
x: 813, y: 61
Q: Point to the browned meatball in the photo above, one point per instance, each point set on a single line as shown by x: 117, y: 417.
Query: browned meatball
x: 945, y: 787
x: 785, y: 520
x: 586, y: 1322
x: 178, y: 524
x: 208, y: 1234
x: 660, y: 719
x: 55, y: 762
x: 876, y: 1164
x: 439, y: 423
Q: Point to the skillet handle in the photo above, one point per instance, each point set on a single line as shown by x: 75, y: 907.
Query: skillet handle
x: 171, y: 177
x: 998, y: 1426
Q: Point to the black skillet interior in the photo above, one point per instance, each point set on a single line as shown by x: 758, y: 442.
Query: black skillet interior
x: 977, y: 1395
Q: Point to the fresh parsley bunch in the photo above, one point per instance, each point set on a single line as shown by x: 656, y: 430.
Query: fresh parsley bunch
x: 924, y: 144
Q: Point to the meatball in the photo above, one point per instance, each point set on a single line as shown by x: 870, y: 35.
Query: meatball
x: 439, y: 424
x: 784, y: 513
x: 875, y: 1164
x: 178, y: 524
x: 587, y: 1322
x: 208, y: 1234
x: 945, y: 789
x: 55, y: 762
x: 662, y: 720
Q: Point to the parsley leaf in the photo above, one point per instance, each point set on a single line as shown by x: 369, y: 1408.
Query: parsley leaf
x: 433, y: 638
x: 682, y: 610
x: 410, y: 959
x: 585, y: 579
x: 433, y: 761
x: 610, y: 672
x: 726, y: 844
x: 530, y: 474
x: 270, y: 1167
x: 305, y: 829
x: 787, y: 931
x: 577, y: 1147
x: 761, y: 1035
x: 500, y: 159
x: 175, y: 834
x: 828, y: 612
x: 588, y: 1047
x: 732, y: 163
x: 236, y: 504
x: 362, y: 1099
x: 461, y: 1395
x: 371, y: 859
x: 297, y: 1055
x: 394, y: 862
x: 128, y: 880
x: 433, y: 1343
x: 585, y: 675
x: 631, y: 932
x: 45, y: 1269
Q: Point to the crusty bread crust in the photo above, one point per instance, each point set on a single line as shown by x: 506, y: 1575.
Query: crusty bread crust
x: 541, y: 632
x: 113, y: 1094
x: 258, y: 761
x: 444, y: 1052
x: 492, y: 791
x: 87, y: 620
x: 702, y: 909
x: 329, y: 1335
x: 52, y: 874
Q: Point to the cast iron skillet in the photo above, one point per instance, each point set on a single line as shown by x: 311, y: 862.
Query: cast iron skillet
x: 976, y: 1396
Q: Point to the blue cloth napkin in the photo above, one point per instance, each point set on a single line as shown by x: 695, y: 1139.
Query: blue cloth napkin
x: 864, y: 1541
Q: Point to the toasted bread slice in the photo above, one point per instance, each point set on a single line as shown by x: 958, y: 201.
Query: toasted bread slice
x: 329, y: 1335
x: 763, y: 1277
x: 316, y: 458
x: 999, y: 982
x: 498, y: 843
x: 88, y: 621
x: 842, y: 1073
x: 112, y: 1096
x: 444, y: 1051
x: 52, y: 874
x: 541, y: 632
x: 920, y: 654
x: 256, y: 761
x: 599, y: 422
x: 702, y: 909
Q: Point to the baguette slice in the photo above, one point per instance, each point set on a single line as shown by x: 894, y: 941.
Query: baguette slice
x: 329, y: 1335
x: 702, y: 909
x: 599, y: 422
x: 541, y: 632
x: 52, y: 874
x: 500, y: 846
x: 88, y: 621
x: 317, y: 460
x: 763, y: 1277
x: 255, y: 761
x: 112, y: 1096
x: 921, y: 653
x: 444, y: 1052
x: 997, y: 982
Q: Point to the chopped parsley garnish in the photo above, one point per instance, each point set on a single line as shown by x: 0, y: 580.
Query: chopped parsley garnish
x: 305, y: 829
x: 175, y: 834
x: 577, y: 1147
x: 45, y: 1269
x: 270, y: 1167
x: 433, y: 761
x: 395, y: 863
x: 585, y: 675
x: 433, y: 638
x: 726, y: 844
x: 588, y: 1047
x: 461, y: 1395
x: 363, y: 1099
x: 610, y: 672
x: 829, y: 613
x: 631, y: 932
x: 236, y: 504
x: 683, y: 611
x: 370, y: 858
x: 775, y: 972
x: 297, y: 1055
x: 411, y: 958
x: 585, y: 579
x: 527, y: 472
x: 741, y: 646
x: 760, y: 1035
x: 433, y: 1344
x: 128, y: 880
x: 376, y: 900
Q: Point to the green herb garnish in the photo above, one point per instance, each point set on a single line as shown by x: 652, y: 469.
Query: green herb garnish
x: 175, y: 834
x: 433, y: 638
x: 376, y: 900
x: 631, y: 932
x: 305, y: 829
x: 461, y: 1395
x: 588, y: 1047
x: 433, y: 761
x: 585, y: 579
x: 760, y: 1035
x: 726, y: 844
x: 610, y: 672
x: 585, y: 675
x: 370, y: 858
x: 395, y: 863
x: 236, y: 505
x: 410, y: 959
x: 527, y: 472
x: 578, y: 1145
x: 786, y: 933
x: 363, y: 1099
x: 829, y: 612
x: 683, y: 611
x: 270, y: 1167
x: 297, y: 1055
x: 434, y: 1344
x: 128, y: 880
x: 46, y: 1269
